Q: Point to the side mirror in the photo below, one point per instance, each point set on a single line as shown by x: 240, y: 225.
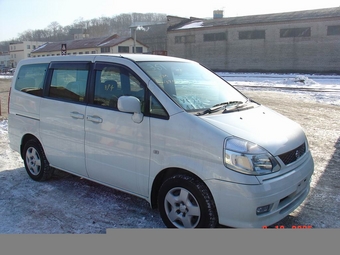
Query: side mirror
x: 131, y: 104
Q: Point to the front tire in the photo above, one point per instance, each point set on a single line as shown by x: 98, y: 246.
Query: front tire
x: 35, y: 161
x: 186, y: 202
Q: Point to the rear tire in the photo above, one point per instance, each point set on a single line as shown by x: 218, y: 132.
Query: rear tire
x: 35, y: 161
x: 186, y: 202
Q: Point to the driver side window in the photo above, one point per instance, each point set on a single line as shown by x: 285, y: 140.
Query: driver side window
x: 113, y: 81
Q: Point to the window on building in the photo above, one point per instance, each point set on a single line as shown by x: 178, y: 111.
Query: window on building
x: 138, y: 50
x: 93, y: 52
x: 34, y: 47
x: 87, y: 52
x: 185, y: 39
x: 28, y: 47
x: 215, y: 37
x: 295, y: 32
x: 104, y: 49
x: 333, y: 30
x: 252, y: 34
x: 179, y: 39
x: 123, y: 49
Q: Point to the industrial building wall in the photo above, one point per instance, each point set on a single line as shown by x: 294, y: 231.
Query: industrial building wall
x: 307, y: 46
x: 154, y: 37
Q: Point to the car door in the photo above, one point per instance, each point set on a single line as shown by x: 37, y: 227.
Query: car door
x: 62, y: 116
x: 117, y: 148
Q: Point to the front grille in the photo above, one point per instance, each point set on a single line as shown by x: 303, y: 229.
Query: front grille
x: 293, y: 155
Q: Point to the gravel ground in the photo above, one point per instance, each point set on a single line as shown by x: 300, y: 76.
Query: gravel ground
x: 69, y: 204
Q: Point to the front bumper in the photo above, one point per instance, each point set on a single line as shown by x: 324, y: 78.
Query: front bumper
x: 237, y: 203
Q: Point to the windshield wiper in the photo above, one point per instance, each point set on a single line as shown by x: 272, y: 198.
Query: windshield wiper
x: 222, y: 106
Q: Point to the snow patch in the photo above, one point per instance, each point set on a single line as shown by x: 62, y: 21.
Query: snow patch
x: 301, y: 79
x: 321, y: 88
x: 6, y: 76
x: 194, y: 24
x: 3, y: 127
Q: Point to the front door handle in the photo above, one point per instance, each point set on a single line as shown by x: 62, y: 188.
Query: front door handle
x: 77, y: 115
x: 95, y: 119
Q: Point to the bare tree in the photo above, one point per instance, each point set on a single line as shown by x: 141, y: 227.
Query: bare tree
x: 4, y: 46
x: 98, y: 27
x: 55, y: 29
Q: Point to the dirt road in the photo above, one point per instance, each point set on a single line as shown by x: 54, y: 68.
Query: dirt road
x: 68, y: 204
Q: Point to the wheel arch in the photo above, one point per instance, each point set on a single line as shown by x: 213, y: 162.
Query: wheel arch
x: 165, y: 174
x: 24, y: 140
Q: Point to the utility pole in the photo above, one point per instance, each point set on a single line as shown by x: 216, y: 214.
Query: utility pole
x: 136, y: 27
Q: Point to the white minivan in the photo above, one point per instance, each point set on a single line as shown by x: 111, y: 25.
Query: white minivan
x: 162, y: 128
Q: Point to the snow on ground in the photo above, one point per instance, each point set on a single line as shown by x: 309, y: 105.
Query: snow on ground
x: 5, y: 76
x: 322, y: 88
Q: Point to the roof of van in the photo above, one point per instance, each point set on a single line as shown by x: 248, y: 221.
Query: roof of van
x: 90, y: 57
x: 149, y: 57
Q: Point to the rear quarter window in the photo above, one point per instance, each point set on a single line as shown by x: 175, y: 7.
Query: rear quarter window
x: 31, y: 78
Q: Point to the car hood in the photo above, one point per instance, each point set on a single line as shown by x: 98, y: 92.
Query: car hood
x: 261, y: 125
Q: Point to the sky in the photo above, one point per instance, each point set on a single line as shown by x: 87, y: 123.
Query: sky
x: 17, y: 16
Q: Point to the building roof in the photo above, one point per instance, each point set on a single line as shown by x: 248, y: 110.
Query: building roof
x: 258, y: 19
x: 83, y: 43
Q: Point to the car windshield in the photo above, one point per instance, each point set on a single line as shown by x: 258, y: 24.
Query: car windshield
x: 191, y: 85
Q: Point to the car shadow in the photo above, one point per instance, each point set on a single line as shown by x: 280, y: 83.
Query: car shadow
x: 68, y: 204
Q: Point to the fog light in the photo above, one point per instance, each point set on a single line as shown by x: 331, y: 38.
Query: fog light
x: 262, y: 209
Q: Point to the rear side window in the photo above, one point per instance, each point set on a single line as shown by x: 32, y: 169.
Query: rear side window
x: 69, y: 81
x: 31, y: 78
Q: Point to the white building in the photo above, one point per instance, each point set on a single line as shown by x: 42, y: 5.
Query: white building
x: 21, y: 50
x: 4, y: 60
x: 110, y: 44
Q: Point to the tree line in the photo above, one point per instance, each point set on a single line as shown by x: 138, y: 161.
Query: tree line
x: 97, y: 27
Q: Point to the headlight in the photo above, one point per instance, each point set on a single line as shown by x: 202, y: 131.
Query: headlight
x: 248, y: 158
